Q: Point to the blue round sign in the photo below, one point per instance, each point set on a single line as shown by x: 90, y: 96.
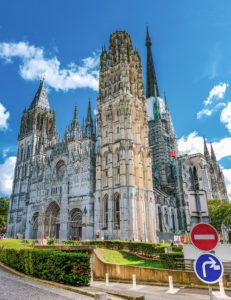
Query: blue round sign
x: 208, y: 268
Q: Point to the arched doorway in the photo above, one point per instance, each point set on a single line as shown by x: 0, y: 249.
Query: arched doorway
x: 35, y: 225
x: 52, y: 220
x: 76, y: 224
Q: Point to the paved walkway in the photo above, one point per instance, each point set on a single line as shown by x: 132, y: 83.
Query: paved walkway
x: 154, y: 292
x: 13, y: 287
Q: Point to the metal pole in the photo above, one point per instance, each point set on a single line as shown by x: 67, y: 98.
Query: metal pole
x: 210, y: 292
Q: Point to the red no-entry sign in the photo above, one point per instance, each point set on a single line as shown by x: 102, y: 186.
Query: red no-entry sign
x: 204, y: 237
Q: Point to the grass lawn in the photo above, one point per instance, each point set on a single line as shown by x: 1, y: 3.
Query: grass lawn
x: 123, y: 258
x: 13, y: 243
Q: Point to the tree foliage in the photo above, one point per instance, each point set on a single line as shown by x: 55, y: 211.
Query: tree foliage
x: 220, y: 213
x: 4, y: 208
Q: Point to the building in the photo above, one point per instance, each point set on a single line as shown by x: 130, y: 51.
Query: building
x: 163, y: 147
x: 54, y: 180
x: 124, y: 200
x: 130, y: 184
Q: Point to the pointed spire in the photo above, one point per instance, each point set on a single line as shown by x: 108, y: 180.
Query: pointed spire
x: 151, y: 75
x: 206, y: 151
x: 156, y: 106
x: 166, y: 103
x: 75, y: 117
x: 89, y: 120
x: 75, y: 122
x: 213, y: 156
x: 41, y: 99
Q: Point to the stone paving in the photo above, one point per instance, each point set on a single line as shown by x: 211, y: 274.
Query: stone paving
x: 13, y: 287
x: 154, y: 292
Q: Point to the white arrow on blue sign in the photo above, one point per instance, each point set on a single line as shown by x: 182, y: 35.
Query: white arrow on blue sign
x: 208, y: 268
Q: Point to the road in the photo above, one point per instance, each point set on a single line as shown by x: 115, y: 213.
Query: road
x: 13, y: 287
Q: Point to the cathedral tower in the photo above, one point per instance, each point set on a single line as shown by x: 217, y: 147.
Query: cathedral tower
x: 124, y: 204
x: 37, y: 131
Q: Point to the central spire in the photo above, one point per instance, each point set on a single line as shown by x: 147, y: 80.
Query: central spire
x: 151, y: 80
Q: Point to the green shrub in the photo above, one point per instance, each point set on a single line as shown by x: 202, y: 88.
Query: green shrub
x: 51, y: 240
x: 147, y: 249
x: 172, y: 260
x: 63, y: 267
x: 71, y: 243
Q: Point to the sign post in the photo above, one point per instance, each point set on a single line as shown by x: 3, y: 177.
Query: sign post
x: 204, y: 237
x: 208, y: 268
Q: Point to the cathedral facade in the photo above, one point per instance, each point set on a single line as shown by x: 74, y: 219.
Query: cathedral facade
x: 54, y: 181
x: 124, y: 180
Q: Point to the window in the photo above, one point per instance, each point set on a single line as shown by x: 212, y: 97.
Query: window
x: 105, y: 179
x: 118, y: 156
x: 160, y: 219
x: 28, y: 152
x: 166, y: 217
x: 60, y: 170
x: 117, y: 175
x: 117, y: 211
x: 105, y: 211
x: 21, y: 153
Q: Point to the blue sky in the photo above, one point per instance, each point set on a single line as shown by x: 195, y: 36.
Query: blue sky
x: 192, y: 54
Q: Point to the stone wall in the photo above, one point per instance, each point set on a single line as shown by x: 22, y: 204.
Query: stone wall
x: 124, y: 273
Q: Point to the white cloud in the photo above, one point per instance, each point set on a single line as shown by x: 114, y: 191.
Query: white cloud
x: 34, y: 64
x: 208, y: 112
x: 216, y: 93
x: 193, y: 143
x: 5, y: 152
x: 227, y: 175
x: 6, y: 175
x: 4, y: 116
x: 226, y: 116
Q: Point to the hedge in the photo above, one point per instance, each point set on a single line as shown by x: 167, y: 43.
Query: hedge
x: 172, y: 260
x: 63, y: 267
x: 147, y: 249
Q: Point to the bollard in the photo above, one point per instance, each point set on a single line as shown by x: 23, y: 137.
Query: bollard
x: 107, y: 279
x: 222, y: 290
x: 92, y: 280
x: 171, y: 290
x: 134, y: 281
x: 170, y: 283
x: 101, y: 296
x: 221, y: 294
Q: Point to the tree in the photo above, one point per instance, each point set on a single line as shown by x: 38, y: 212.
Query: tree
x: 4, y: 208
x: 220, y: 213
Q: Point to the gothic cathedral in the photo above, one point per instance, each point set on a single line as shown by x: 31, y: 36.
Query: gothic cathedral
x: 124, y: 180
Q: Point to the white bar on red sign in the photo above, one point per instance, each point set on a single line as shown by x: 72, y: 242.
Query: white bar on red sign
x: 204, y: 237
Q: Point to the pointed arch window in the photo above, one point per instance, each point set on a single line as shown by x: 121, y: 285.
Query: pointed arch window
x: 160, y: 219
x: 166, y: 217
x: 105, y: 211
x: 117, y: 211
x: 195, y: 177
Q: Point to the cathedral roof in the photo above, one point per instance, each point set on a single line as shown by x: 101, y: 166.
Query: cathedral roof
x: 40, y: 98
